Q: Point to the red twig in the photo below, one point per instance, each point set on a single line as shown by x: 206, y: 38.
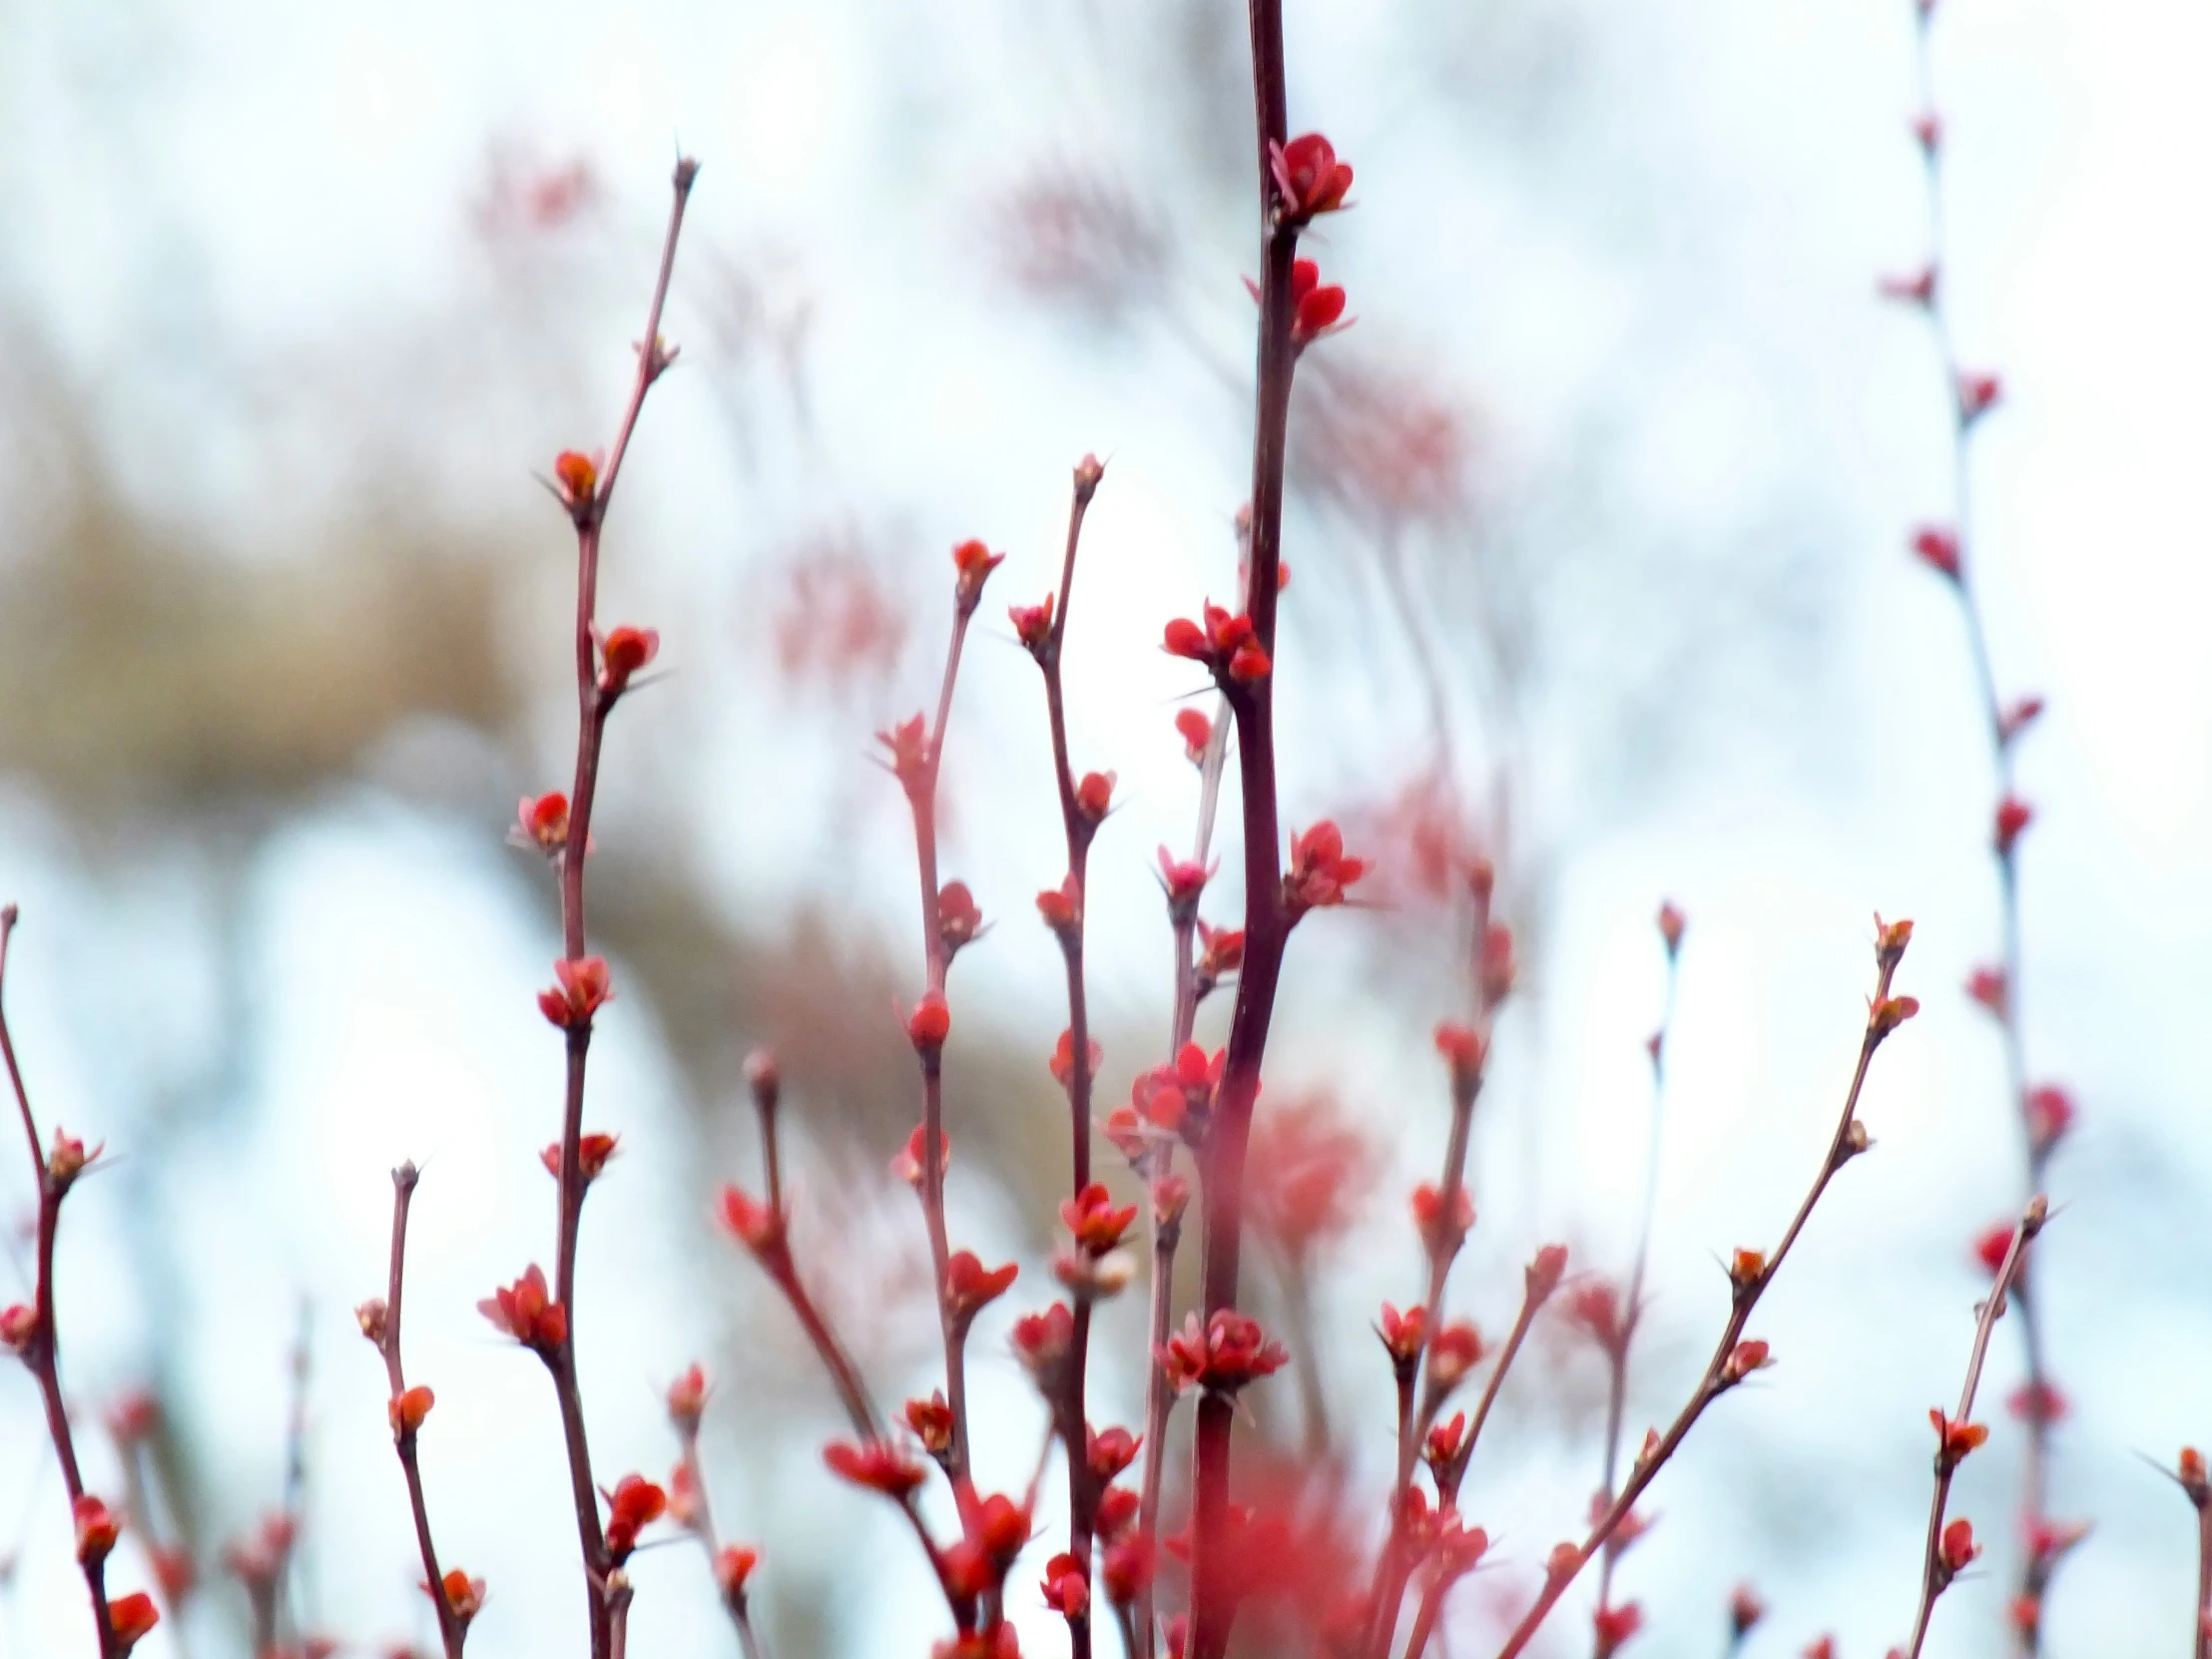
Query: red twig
x: 381, y: 1325
x: 1267, y: 922
x: 596, y: 696
x: 1752, y: 1274
x: 41, y: 1348
x: 1079, y: 823
x: 1632, y: 1313
x: 2003, y: 729
x: 699, y: 1521
x: 1959, y: 1434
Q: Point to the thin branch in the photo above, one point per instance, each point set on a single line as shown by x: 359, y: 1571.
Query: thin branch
x: 1732, y: 1357
x: 595, y: 698
x: 1958, y: 1435
x: 452, y: 1630
x: 41, y: 1350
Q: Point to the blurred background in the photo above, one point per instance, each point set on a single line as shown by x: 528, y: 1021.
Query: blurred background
x: 1597, y: 517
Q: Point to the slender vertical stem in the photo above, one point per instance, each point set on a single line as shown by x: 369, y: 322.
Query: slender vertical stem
x: 921, y: 798
x: 1266, y: 925
x: 594, y: 704
x: 452, y: 1631
x: 1080, y: 827
x: 2036, y: 1455
x: 1936, y: 1574
x: 43, y: 1351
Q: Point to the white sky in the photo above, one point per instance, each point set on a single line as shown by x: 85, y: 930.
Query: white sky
x: 1647, y: 235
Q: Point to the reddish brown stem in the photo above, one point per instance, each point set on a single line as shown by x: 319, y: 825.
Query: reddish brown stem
x: 702, y: 1526
x: 1080, y: 827
x: 1935, y: 1572
x: 2037, y: 1456
x: 1616, y: 1400
x: 921, y: 798
x: 1848, y: 1141
x: 452, y: 1631
x: 42, y: 1353
x: 594, y: 703
x: 1266, y: 923
x: 2204, y: 1581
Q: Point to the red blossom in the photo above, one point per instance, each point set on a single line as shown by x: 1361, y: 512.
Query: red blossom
x: 1316, y: 308
x: 97, y: 1529
x: 1404, y: 1335
x: 1937, y: 548
x: 1545, y: 1270
x: 1958, y: 1548
x: 1927, y: 132
x: 2012, y: 815
x: 592, y: 1153
x: 1184, y: 881
x: 1953, y: 1440
x: 130, y: 1617
x: 410, y: 1409
x: 632, y: 1505
x: 932, y: 1421
x: 734, y: 1565
x: 755, y: 1225
x: 958, y: 919
x: 585, y: 987
x: 2038, y: 1402
x: 1128, y: 1568
x: 1062, y: 907
x: 874, y: 1464
x: 686, y: 1399
x: 1320, y: 872
x: 2017, y: 716
x: 1453, y: 1351
x: 463, y: 1594
x: 1977, y: 394
x: 626, y: 651
x: 1596, y: 1306
x: 1745, y: 1609
x: 1095, y: 1221
x: 1041, y: 1343
x: 1465, y: 1051
x: 1230, y: 1352
x: 1309, y: 177
x: 2050, y: 1113
x: 1987, y: 986
x: 1993, y: 1245
x: 1063, y: 1063
x: 906, y: 1165
x: 543, y: 823
x: 1443, y: 1441
x: 930, y: 1024
x: 1197, y: 732
x: 1094, y: 795
x: 1308, y: 1173
x: 526, y: 1312
x: 1744, y: 1359
x: 974, y: 562
x: 1107, y: 1451
x: 577, y: 476
x: 18, y: 1325
x: 969, y: 1287
x: 1067, y: 1591
x: 1117, y: 1511
x: 1613, y: 1626
x: 1918, y: 288
x: 909, y: 743
x: 1220, y: 953
x: 1442, y: 1222
x: 1032, y: 625
x: 173, y: 1571
x: 1225, y: 644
